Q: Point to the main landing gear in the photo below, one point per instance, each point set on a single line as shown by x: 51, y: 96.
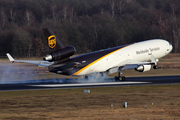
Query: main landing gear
x: 119, y: 77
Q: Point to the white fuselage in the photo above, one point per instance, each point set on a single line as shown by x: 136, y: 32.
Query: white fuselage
x: 139, y: 52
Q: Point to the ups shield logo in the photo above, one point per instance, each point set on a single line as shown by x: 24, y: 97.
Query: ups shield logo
x: 52, y: 41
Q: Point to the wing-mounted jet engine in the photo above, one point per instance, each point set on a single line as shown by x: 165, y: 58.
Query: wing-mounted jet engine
x: 143, y: 68
x: 57, y: 50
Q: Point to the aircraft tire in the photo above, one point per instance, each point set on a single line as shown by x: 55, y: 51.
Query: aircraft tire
x: 155, y: 67
x: 116, y: 78
x: 86, y: 77
x: 123, y: 78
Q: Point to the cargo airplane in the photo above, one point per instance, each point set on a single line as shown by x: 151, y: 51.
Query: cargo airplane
x: 140, y: 56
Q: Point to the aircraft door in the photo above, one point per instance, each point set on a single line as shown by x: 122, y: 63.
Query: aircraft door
x: 149, y: 52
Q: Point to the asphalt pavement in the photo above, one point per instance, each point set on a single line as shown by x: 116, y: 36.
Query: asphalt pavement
x: 82, y: 83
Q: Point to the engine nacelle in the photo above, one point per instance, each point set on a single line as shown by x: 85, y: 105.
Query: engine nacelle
x: 60, y: 54
x: 143, y: 68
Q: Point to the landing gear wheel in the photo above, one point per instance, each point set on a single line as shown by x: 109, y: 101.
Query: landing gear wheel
x: 116, y: 78
x: 155, y: 67
x: 86, y: 77
x: 119, y: 78
x: 123, y: 78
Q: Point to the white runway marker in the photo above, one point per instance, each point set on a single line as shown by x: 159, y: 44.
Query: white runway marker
x: 88, y: 84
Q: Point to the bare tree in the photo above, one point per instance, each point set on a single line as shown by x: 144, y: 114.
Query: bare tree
x: 112, y: 6
x: 3, y: 18
x: 12, y: 15
x: 121, y: 6
x: 71, y: 14
x: 175, y: 27
x: 53, y: 8
x: 38, y: 46
x: 29, y: 17
x: 65, y: 12
x: 102, y: 11
x: 22, y: 43
x: 128, y: 1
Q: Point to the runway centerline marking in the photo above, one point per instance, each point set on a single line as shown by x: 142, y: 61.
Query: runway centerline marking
x: 87, y: 84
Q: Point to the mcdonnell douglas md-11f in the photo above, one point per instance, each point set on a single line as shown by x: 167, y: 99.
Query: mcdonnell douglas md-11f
x: 139, y: 56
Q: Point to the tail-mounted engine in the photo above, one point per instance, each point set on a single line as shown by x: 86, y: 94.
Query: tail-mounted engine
x: 143, y: 68
x: 60, y: 54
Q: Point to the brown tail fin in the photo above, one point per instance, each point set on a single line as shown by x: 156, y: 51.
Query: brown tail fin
x: 53, y: 42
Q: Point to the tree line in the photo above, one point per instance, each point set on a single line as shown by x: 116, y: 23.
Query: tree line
x: 88, y: 25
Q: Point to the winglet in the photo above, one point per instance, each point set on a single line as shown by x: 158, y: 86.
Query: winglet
x: 10, y: 57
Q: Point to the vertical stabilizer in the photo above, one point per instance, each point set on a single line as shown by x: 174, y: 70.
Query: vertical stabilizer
x: 56, y: 51
x: 53, y: 42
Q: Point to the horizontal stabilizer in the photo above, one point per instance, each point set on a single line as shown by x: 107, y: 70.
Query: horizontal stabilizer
x: 10, y: 57
x: 39, y: 63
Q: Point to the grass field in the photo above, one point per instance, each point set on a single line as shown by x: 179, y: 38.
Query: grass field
x: 74, y: 104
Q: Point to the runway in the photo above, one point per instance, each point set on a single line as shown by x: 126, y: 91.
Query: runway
x: 81, y: 83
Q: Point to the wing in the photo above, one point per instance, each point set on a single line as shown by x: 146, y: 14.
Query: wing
x: 133, y: 64
x: 130, y: 64
x: 40, y: 63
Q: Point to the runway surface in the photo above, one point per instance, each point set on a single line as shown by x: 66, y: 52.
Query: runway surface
x: 82, y: 83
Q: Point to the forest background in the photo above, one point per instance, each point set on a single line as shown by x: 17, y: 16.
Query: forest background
x: 88, y: 25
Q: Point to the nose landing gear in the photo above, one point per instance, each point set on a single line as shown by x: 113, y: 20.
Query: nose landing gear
x: 156, y: 67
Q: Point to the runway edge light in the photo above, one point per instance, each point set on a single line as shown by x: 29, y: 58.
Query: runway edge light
x: 86, y: 91
x: 124, y: 104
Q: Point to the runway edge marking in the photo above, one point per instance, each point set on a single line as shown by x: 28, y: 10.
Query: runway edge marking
x: 87, y: 84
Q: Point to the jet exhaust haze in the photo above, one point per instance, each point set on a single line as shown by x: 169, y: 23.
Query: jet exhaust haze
x: 10, y: 75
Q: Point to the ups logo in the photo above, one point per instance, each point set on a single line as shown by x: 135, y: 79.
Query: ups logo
x: 52, y: 41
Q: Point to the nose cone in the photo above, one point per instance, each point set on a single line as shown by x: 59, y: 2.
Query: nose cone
x: 170, y: 47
